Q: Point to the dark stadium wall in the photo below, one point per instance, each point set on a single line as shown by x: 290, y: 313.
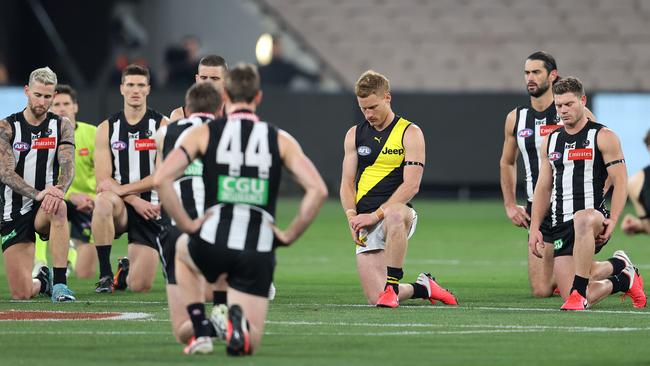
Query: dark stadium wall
x: 463, y: 132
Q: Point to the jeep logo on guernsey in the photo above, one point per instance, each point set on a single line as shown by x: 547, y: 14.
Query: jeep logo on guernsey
x: 525, y: 133
x: 554, y: 156
x: 393, y: 151
x: 581, y: 154
x: 21, y: 146
x: 145, y: 144
x: 118, y: 145
x: 247, y: 190
x: 364, y: 150
x: 44, y: 143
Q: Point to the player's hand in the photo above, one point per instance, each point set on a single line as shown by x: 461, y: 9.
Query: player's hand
x: 284, y: 237
x: 194, y: 225
x: 108, y: 185
x: 606, y: 233
x: 631, y: 225
x: 355, y: 236
x: 518, y: 215
x: 51, y: 204
x: 82, y: 202
x: 535, y: 241
x: 361, y: 221
x: 146, y: 209
x: 50, y: 190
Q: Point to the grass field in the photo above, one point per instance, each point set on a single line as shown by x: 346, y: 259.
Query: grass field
x: 319, y: 316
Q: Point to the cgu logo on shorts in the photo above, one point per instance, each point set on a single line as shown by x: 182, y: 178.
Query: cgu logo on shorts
x: 557, y: 245
x: 555, y: 155
x: 547, y: 129
x: 581, y: 154
x: 364, y: 150
x: 21, y: 146
x: 118, y: 145
x: 44, y: 143
x: 84, y: 151
x: 393, y: 151
x: 525, y: 133
x: 145, y: 144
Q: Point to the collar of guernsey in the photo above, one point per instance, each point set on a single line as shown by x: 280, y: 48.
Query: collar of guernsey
x: 84, y: 166
x: 384, y: 164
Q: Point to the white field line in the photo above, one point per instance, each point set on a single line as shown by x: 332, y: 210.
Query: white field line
x: 405, y: 306
x: 449, y: 262
x: 490, y: 308
x: 469, y: 330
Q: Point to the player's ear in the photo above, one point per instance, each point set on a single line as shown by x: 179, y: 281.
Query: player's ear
x: 258, y: 97
x: 388, y: 97
x: 26, y: 89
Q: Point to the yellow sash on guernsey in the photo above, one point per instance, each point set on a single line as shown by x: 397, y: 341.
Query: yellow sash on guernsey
x: 390, y: 158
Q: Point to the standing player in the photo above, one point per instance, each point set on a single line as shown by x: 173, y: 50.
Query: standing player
x: 203, y: 102
x: 125, y: 151
x: 578, y: 159
x: 80, y: 198
x: 638, y: 188
x: 242, y: 159
x: 36, y: 169
x: 212, y: 68
x: 525, y: 128
x: 382, y: 169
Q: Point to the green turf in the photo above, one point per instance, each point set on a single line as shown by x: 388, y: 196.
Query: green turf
x: 318, y: 317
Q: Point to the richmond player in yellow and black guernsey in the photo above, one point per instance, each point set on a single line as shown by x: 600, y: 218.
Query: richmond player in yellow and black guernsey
x: 382, y: 169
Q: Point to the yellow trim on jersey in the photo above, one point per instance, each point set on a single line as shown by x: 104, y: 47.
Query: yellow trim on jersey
x: 385, y: 162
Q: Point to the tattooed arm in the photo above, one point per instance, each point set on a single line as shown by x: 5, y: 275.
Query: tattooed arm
x: 8, y: 174
x: 66, y: 155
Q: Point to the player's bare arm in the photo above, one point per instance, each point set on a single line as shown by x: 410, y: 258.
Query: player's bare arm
x: 640, y: 223
x: 102, y: 158
x: 177, y: 114
x: 306, y: 175
x: 541, y: 201
x: 193, y: 144
x: 8, y: 175
x: 414, y: 156
x: 66, y: 155
x: 508, y: 174
x: 610, y: 147
x: 144, y: 185
x: 347, y: 190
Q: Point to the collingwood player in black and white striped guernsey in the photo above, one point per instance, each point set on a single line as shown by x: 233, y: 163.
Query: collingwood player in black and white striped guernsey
x: 203, y: 102
x: 525, y: 128
x: 125, y: 153
x: 36, y: 169
x: 242, y: 159
x: 578, y: 160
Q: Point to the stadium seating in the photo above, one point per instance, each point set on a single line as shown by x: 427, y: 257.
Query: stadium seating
x: 477, y: 45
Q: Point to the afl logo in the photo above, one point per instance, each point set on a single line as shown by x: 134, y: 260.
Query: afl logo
x: 554, y: 156
x: 21, y: 146
x: 364, y: 150
x: 525, y: 133
x: 119, y: 145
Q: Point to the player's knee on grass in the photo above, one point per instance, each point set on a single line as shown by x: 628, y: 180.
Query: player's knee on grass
x: 542, y: 292
x: 140, y: 284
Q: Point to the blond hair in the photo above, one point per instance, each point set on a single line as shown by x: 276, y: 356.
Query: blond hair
x: 371, y: 82
x: 44, y: 75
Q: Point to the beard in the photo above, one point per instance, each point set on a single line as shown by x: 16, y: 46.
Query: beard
x: 38, y: 112
x: 541, y: 89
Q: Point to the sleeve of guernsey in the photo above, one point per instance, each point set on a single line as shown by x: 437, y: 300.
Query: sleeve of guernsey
x: 377, y: 181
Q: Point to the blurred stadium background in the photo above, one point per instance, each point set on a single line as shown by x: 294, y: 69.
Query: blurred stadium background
x: 456, y: 66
